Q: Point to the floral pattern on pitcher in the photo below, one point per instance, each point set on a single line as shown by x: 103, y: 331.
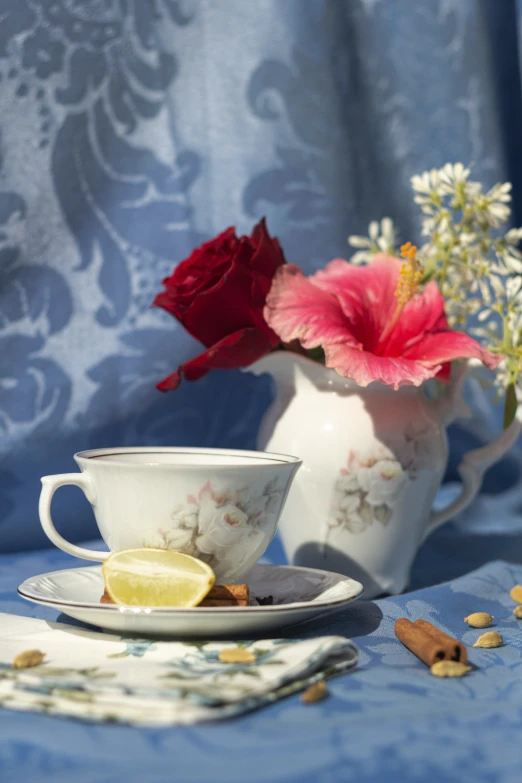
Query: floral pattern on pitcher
x: 370, y: 487
x: 366, y: 492
x: 220, y: 525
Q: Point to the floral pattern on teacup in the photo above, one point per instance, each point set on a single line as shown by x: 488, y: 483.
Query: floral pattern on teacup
x: 221, y: 526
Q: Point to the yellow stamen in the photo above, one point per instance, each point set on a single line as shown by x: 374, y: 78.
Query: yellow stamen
x: 410, y: 275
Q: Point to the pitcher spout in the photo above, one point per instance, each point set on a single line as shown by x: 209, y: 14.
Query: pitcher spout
x: 278, y: 364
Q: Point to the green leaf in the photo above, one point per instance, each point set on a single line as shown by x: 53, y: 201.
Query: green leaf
x: 73, y: 695
x: 250, y: 672
x: 272, y: 663
x: 259, y: 651
x: 510, y: 405
x: 317, y: 355
x: 178, y: 676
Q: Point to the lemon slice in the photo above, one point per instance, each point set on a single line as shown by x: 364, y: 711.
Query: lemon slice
x: 156, y: 577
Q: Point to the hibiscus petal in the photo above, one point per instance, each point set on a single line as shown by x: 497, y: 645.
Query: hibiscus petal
x: 445, y: 346
x: 366, y: 294
x: 236, y: 350
x: 298, y: 310
x: 444, y: 373
x: 424, y: 313
x: 364, y: 367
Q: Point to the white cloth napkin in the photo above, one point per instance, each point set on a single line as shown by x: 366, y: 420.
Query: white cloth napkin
x: 101, y: 677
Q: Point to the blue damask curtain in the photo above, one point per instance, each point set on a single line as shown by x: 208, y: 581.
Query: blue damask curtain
x: 130, y: 130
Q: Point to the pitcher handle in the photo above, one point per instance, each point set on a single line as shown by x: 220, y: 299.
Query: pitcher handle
x: 471, y: 470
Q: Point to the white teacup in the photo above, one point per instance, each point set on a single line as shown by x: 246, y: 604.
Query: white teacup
x: 219, y: 505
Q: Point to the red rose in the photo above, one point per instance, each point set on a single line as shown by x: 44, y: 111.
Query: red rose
x: 218, y: 294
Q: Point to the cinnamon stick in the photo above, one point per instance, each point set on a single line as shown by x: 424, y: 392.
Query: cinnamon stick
x: 455, y: 650
x: 106, y: 599
x: 428, y: 644
x: 219, y: 595
x: 238, y: 592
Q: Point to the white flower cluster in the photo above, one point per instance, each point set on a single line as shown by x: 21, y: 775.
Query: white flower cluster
x: 381, y: 239
x: 479, y: 270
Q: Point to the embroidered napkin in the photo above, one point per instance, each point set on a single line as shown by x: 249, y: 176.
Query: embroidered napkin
x: 101, y: 677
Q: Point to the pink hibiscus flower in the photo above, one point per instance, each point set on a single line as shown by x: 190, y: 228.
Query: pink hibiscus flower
x: 352, y: 312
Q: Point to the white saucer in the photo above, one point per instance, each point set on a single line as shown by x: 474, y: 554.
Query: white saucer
x: 297, y: 594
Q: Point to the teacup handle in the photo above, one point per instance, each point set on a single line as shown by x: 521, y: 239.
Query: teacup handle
x: 49, y: 486
x: 471, y: 470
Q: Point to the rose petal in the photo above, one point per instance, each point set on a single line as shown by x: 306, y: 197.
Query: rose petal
x: 227, y: 307
x: 171, y: 382
x: 191, y: 276
x: 236, y: 350
x: 298, y: 310
x: 268, y: 255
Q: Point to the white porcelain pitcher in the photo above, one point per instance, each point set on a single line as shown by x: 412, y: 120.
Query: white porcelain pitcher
x: 373, y: 460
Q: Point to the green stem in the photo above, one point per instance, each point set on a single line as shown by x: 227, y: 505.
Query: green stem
x: 445, y: 262
x: 510, y: 405
x: 506, y: 346
x: 444, y: 271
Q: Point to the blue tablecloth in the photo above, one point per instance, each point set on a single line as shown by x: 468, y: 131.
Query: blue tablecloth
x: 389, y: 720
